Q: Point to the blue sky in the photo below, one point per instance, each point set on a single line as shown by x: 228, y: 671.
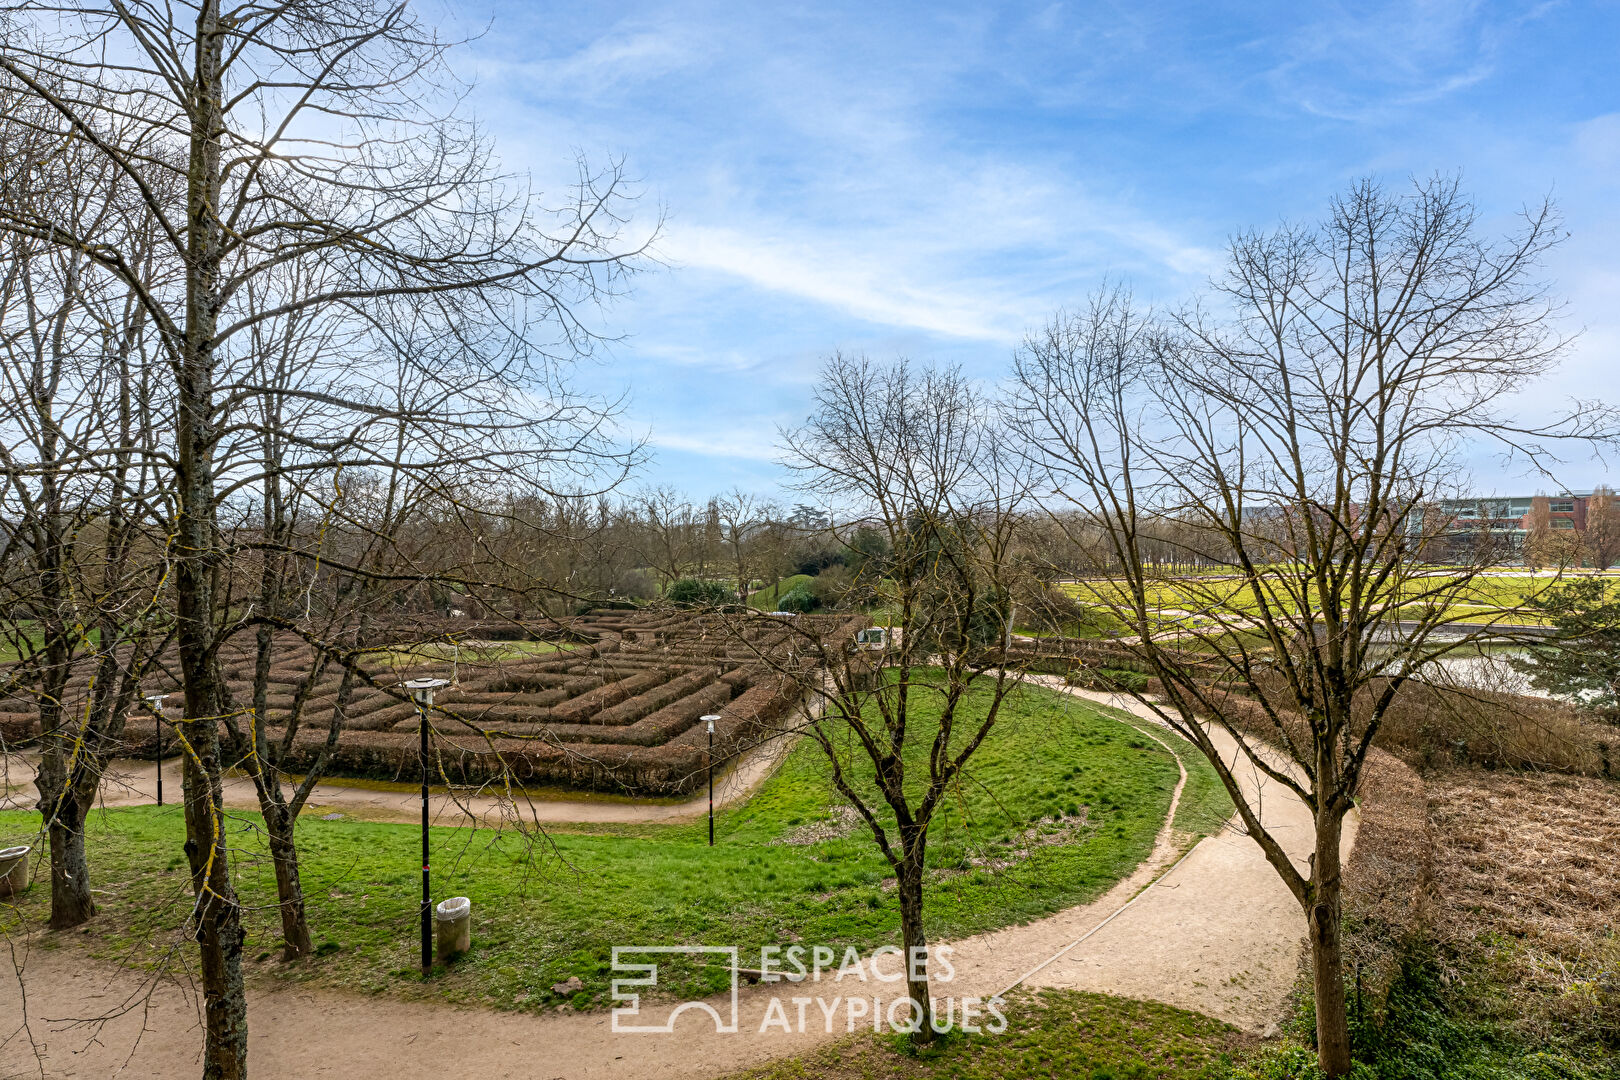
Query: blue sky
x: 929, y: 180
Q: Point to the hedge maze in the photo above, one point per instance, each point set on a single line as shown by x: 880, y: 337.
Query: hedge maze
x: 615, y: 704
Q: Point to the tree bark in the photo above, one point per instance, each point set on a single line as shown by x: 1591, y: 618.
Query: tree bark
x: 217, y: 917
x: 71, y: 903
x: 909, y: 882
x: 289, y: 887
x: 64, y: 815
x: 1327, y: 954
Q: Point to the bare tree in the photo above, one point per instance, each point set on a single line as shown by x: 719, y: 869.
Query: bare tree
x: 743, y: 518
x: 669, y: 533
x: 82, y: 590
x: 1541, y: 546
x: 1603, y: 527
x: 912, y: 455
x: 772, y: 545
x: 309, y: 134
x: 1304, y: 433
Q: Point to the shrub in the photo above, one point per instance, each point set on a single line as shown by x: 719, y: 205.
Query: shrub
x: 585, y: 607
x: 695, y: 592
x: 1123, y: 679
x: 831, y: 586
x: 617, y: 711
x: 1108, y: 678
x: 798, y: 599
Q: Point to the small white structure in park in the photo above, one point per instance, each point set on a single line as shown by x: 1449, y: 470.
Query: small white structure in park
x: 872, y: 639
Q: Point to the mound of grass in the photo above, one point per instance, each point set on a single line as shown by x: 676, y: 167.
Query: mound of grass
x: 769, y: 598
x: 790, y: 865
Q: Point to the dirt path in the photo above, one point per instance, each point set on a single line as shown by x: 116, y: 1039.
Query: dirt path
x: 131, y: 782
x: 1218, y: 933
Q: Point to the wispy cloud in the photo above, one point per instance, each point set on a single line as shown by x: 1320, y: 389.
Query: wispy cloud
x: 867, y: 287
x: 1371, y: 64
x: 723, y: 439
x: 934, y: 179
x: 618, y: 62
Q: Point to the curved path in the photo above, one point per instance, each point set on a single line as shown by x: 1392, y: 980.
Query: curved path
x: 1218, y: 934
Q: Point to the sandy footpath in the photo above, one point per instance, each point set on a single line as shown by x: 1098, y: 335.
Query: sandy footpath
x: 1219, y: 933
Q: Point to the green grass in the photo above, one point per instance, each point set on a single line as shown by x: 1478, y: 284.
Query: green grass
x: 23, y: 638
x: 1433, y: 1021
x: 1205, y: 806
x: 483, y: 653
x: 542, y: 914
x: 1055, y: 1033
x: 768, y: 598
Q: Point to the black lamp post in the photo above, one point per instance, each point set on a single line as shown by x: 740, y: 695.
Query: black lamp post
x: 422, y: 692
x: 156, y: 702
x: 709, y: 721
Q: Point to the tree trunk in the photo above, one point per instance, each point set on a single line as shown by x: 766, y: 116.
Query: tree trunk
x: 1327, y: 952
x: 217, y: 918
x: 280, y: 819
x: 64, y: 815
x: 71, y: 904
x: 909, y: 881
x: 1327, y: 960
x: 295, y: 941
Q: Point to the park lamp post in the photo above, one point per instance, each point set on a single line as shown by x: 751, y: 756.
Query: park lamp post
x: 709, y: 722
x: 156, y: 703
x: 422, y: 693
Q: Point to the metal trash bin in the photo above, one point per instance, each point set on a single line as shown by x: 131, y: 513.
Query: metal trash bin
x: 14, y: 869
x: 453, y: 917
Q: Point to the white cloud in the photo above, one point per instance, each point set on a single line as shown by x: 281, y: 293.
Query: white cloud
x: 725, y: 438
x: 799, y: 169
x: 871, y: 287
x: 933, y: 181
x: 1360, y: 65
x: 621, y: 60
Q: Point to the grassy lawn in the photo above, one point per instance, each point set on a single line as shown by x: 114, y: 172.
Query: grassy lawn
x: 20, y: 638
x: 788, y: 866
x: 1487, y: 598
x: 484, y: 652
x: 1050, y: 1034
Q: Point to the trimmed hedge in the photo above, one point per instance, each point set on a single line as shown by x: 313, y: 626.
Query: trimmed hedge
x: 620, y: 712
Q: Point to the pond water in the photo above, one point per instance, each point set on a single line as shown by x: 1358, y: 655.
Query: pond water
x: 1486, y: 669
x: 1484, y: 665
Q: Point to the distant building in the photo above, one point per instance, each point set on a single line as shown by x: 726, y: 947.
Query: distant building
x: 1506, y: 522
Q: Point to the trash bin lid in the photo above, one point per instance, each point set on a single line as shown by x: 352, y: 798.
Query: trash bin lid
x: 7, y: 854
x: 452, y: 909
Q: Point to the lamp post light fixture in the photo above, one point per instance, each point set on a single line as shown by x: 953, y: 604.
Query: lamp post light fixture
x: 156, y: 703
x: 709, y: 722
x: 422, y: 693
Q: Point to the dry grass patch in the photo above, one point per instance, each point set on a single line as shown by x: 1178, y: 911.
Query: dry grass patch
x: 1389, y: 878
x: 1527, y: 872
